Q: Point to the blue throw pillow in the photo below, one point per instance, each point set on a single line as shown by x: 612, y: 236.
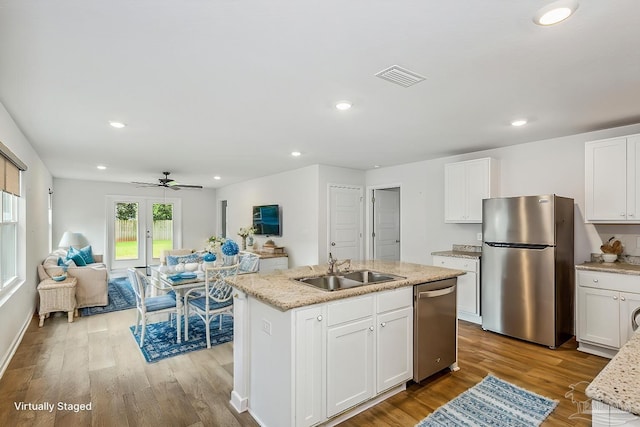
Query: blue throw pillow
x: 85, y: 253
x: 175, y: 260
x: 77, y: 258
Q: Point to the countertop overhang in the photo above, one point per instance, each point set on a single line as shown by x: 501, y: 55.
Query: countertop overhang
x: 280, y: 290
x: 618, y: 383
x: 614, y: 267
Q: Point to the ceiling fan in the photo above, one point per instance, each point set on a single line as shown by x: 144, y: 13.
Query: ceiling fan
x: 166, y: 182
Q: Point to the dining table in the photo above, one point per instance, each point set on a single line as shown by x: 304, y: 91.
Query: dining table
x: 180, y: 283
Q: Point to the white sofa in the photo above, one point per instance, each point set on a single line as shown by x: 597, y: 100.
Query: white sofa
x: 92, y: 279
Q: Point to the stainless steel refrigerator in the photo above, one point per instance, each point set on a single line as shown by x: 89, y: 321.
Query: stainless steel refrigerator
x: 527, y: 265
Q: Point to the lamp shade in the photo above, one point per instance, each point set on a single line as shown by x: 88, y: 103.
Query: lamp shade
x: 72, y: 239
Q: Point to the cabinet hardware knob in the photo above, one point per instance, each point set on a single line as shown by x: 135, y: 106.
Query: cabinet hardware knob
x: 615, y: 298
x: 630, y: 214
x: 383, y: 324
x: 333, y: 243
x: 595, y: 280
x: 622, y: 214
x: 320, y: 318
x: 371, y: 328
x: 622, y: 299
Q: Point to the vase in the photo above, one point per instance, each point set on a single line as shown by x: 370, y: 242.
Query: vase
x: 244, y: 243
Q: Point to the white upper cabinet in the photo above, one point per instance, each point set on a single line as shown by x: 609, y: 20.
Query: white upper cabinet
x: 465, y: 185
x: 612, y: 170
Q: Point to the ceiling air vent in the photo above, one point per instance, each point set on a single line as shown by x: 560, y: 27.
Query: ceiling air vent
x: 400, y: 76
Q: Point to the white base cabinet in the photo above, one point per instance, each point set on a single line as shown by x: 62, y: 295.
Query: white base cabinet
x: 604, y: 309
x: 468, y: 292
x: 322, y: 360
x: 270, y: 264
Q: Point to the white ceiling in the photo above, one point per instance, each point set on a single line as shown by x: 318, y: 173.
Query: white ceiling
x: 231, y: 87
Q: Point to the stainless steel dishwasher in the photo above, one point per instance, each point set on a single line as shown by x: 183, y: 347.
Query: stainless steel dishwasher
x: 434, y: 327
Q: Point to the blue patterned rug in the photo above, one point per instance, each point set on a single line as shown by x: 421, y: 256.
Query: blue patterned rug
x: 121, y: 297
x: 160, y: 338
x: 492, y: 402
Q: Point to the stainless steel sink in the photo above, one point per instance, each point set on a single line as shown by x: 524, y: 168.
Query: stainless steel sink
x: 347, y: 280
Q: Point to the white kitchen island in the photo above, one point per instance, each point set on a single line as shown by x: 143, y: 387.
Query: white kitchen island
x: 303, y: 356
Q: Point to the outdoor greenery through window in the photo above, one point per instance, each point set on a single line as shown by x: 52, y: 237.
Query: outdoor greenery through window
x: 127, y: 231
x: 8, y: 239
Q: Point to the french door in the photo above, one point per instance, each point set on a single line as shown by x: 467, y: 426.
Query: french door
x: 139, y: 229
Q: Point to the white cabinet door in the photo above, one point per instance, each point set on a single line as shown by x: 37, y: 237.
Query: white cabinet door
x: 349, y: 365
x: 478, y: 188
x: 468, y: 291
x: 633, y: 178
x: 394, y: 348
x: 605, y: 180
x: 599, y: 316
x: 628, y: 303
x: 466, y: 184
x: 309, y: 366
x: 455, y: 187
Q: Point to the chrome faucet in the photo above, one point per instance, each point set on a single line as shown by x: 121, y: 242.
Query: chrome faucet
x: 334, y: 264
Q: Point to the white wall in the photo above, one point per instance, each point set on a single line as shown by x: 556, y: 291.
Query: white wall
x: 296, y: 192
x: 81, y: 206
x: 17, y: 304
x: 302, y: 196
x: 550, y: 166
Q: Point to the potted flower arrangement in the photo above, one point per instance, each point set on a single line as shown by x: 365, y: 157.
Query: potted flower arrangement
x: 214, y: 243
x: 245, y: 232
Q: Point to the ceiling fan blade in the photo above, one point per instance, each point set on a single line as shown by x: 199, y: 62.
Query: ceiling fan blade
x: 187, y: 186
x: 145, y: 184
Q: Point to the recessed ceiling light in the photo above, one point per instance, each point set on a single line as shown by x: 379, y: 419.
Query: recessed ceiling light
x: 101, y: 167
x: 217, y: 177
x: 555, y: 12
x: 343, y: 105
x: 117, y: 125
x: 519, y: 122
x: 376, y: 166
x: 296, y: 153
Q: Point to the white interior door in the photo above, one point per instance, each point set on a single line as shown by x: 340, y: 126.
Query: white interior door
x: 345, y: 222
x: 386, y: 224
x: 139, y: 229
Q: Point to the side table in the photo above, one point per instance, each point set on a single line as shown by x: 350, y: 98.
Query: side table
x: 57, y: 296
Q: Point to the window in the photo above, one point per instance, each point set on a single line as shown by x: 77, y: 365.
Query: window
x: 10, y: 168
x: 8, y: 239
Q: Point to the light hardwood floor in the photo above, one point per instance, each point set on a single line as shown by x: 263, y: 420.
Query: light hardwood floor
x: 95, y: 360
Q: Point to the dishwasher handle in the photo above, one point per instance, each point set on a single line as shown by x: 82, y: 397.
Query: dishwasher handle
x: 436, y: 293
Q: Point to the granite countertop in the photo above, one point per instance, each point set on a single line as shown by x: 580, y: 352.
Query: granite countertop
x: 459, y: 254
x: 618, y: 383
x: 462, y: 251
x: 279, y: 290
x: 614, y: 267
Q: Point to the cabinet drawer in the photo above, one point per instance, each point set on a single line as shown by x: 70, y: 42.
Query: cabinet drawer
x: 466, y: 264
x: 395, y: 299
x: 612, y: 281
x: 349, y: 309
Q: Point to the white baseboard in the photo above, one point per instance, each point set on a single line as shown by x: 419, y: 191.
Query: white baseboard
x: 14, y: 344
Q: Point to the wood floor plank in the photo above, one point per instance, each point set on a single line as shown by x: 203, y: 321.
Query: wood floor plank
x: 95, y: 359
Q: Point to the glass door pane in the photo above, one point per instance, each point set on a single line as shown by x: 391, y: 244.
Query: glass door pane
x: 162, y: 235
x: 127, y: 244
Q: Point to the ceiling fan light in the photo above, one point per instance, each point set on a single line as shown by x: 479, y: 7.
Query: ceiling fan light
x: 555, y: 12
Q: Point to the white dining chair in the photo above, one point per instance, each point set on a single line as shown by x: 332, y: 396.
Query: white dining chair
x: 249, y: 262
x: 214, y: 300
x: 146, y: 306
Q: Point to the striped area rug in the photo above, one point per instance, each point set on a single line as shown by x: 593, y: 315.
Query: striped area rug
x: 492, y: 402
